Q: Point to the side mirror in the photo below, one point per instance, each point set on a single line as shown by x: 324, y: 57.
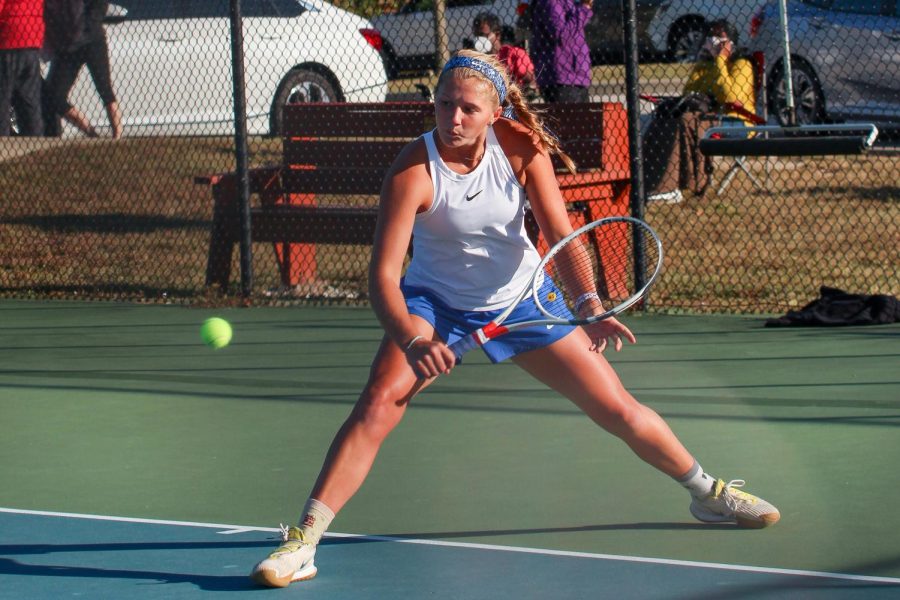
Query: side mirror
x: 115, y: 14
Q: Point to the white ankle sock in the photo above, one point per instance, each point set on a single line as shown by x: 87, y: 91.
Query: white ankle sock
x: 315, y: 519
x: 698, y: 483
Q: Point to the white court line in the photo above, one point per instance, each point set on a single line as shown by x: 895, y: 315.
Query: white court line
x: 231, y: 529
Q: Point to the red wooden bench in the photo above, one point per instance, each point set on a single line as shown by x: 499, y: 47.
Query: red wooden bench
x: 345, y: 150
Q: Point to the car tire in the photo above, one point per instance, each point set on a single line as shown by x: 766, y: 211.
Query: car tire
x: 809, y: 101
x: 685, y: 40
x: 300, y: 86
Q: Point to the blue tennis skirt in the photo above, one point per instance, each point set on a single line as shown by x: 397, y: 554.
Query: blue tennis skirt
x: 452, y: 324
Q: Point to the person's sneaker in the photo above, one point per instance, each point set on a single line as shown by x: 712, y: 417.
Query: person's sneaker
x: 291, y: 561
x: 673, y: 197
x: 727, y: 504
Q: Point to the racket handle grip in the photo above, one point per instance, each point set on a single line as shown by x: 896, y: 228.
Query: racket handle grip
x: 464, y: 344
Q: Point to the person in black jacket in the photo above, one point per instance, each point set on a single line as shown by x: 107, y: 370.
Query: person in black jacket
x: 72, y: 49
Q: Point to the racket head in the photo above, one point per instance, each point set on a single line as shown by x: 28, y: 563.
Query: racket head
x: 616, y: 258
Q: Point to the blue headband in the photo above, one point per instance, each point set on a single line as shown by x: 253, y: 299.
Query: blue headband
x: 483, y: 68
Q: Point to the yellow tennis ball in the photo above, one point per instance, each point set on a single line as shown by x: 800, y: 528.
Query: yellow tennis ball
x: 216, y: 332
x: 551, y: 296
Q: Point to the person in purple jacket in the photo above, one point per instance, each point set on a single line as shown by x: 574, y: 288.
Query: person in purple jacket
x: 562, y: 61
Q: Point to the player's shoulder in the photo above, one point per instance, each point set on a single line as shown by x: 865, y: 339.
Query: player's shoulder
x: 408, y: 182
x: 411, y: 161
x: 517, y: 139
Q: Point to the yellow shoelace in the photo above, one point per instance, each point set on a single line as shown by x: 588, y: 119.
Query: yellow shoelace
x: 733, y: 491
x: 292, y: 539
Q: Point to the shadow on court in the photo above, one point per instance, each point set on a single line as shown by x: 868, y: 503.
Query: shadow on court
x: 181, y: 561
x: 492, y: 487
x: 229, y: 583
x: 438, y: 535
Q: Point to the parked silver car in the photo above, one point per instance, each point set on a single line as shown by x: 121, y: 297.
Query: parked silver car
x: 409, y: 42
x: 605, y: 31
x: 679, y: 27
x: 845, y: 59
x: 409, y: 33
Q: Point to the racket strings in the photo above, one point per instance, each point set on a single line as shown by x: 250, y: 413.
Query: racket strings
x: 599, y: 264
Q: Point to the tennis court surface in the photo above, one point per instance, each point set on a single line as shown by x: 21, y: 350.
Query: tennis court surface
x: 138, y: 463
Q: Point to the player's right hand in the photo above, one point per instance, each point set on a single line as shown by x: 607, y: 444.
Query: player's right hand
x: 429, y: 359
x: 608, y: 332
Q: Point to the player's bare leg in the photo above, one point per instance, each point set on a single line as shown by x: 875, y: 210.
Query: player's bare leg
x: 588, y: 380
x: 392, y: 384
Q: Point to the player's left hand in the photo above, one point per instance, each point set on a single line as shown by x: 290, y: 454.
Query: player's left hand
x: 608, y: 332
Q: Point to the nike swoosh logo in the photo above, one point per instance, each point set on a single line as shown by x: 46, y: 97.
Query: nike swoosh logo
x: 469, y: 198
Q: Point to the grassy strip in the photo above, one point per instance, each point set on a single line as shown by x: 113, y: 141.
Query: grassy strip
x: 126, y: 219
x: 650, y: 74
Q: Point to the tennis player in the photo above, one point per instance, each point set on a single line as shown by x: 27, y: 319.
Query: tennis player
x: 461, y: 190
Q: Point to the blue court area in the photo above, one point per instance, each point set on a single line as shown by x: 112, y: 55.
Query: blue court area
x: 139, y: 463
x: 55, y: 556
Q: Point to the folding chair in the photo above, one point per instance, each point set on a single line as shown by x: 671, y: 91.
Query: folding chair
x: 759, y: 88
x: 739, y: 163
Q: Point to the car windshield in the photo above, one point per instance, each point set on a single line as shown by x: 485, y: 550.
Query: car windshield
x: 139, y: 10
x: 271, y: 8
x: 414, y: 6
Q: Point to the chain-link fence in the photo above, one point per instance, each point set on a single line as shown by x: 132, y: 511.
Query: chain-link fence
x: 132, y: 218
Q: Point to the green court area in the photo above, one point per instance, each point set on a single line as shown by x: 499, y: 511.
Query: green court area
x: 492, y: 486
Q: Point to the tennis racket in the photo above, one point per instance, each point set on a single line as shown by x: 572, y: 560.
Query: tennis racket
x: 614, y: 260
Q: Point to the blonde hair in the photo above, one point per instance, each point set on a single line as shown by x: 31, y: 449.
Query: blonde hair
x: 515, y: 99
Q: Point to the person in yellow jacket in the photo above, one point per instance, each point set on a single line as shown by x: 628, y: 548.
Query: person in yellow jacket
x: 723, y: 73
x: 721, y: 85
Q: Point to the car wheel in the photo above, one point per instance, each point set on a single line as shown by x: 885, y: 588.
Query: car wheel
x: 299, y: 86
x: 685, y: 40
x: 809, y: 101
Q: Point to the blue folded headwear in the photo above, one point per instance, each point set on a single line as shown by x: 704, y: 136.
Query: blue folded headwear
x: 493, y: 76
x: 482, y: 67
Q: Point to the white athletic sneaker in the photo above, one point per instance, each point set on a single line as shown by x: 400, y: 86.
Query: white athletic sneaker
x: 291, y: 561
x: 673, y: 197
x: 727, y: 504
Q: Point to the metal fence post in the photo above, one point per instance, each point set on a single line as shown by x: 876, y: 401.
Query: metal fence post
x: 635, y: 149
x: 240, y: 146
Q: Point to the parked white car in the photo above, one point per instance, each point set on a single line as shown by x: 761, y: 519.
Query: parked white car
x: 171, y: 64
x: 679, y: 26
x: 845, y: 60
x: 409, y: 33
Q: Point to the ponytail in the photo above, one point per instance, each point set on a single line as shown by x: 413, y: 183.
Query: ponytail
x: 531, y: 119
x: 468, y: 63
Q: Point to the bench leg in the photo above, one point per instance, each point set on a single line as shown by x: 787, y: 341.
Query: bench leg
x: 605, y: 200
x: 614, y: 274
x: 221, y: 238
x: 297, y: 262
x: 609, y: 200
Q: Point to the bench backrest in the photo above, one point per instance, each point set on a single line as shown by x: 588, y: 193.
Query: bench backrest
x: 347, y: 148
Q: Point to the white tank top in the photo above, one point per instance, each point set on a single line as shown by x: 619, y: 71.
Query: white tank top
x: 470, y: 248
